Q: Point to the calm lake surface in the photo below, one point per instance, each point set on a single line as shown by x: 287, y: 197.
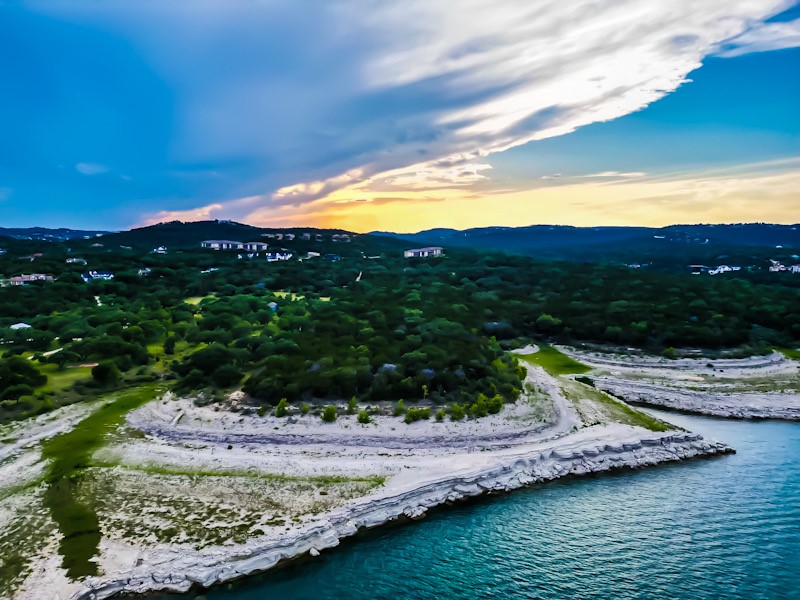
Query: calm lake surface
x: 726, y: 527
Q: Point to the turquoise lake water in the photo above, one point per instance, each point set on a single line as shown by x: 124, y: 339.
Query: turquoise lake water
x: 725, y: 527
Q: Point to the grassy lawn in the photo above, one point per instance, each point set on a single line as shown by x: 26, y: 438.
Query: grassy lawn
x: 195, y: 300
x: 609, y: 407
x: 290, y: 295
x: 70, y: 453
x: 788, y: 353
x: 61, y: 381
x: 554, y: 362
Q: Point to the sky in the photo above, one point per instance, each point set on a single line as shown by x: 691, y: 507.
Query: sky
x: 372, y: 115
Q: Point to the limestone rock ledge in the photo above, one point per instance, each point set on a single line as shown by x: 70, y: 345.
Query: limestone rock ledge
x: 171, y: 572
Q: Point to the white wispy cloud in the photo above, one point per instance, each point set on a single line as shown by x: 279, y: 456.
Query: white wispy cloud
x: 90, y: 168
x: 308, y: 98
x: 616, y: 174
x: 762, y: 38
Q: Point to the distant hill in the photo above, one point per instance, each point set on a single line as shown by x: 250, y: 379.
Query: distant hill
x: 553, y: 236
x: 48, y: 235
x: 177, y: 235
x: 669, y: 248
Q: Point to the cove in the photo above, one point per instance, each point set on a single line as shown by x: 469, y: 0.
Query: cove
x: 727, y: 527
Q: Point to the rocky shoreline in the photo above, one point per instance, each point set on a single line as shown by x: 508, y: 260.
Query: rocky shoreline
x: 738, y: 406
x: 402, y: 497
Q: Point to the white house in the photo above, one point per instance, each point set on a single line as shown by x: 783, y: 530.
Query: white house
x: 275, y: 256
x: 222, y: 245
x: 16, y: 326
x: 92, y: 275
x: 23, y: 279
x: 423, y: 252
x: 159, y: 250
x: 795, y: 268
x: 255, y: 246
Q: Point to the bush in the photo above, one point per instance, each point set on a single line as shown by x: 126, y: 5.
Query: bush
x: 282, y: 409
x: 456, y: 412
x: 351, y: 406
x: 495, y: 405
x: 416, y: 414
x: 262, y: 410
x: 399, y: 408
x: 304, y: 408
x: 226, y: 376
x: 105, y: 373
x: 440, y: 415
x: 363, y: 417
x: 329, y: 414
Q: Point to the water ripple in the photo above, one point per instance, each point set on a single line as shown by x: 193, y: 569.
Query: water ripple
x: 708, y: 529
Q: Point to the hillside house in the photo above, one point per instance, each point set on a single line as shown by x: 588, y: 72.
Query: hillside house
x: 159, y: 250
x: 76, y: 261
x: 144, y: 272
x: 255, y: 246
x: 305, y: 237
x: 776, y: 266
x: 423, y: 252
x: 288, y: 236
x: 97, y: 275
x: 794, y: 268
x: 25, y: 279
x: 222, y: 245
x: 275, y: 256
x: 723, y: 269
x: 17, y: 326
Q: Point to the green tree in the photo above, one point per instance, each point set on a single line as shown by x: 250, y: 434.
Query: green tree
x: 363, y: 417
x: 352, y: 406
x: 106, y: 373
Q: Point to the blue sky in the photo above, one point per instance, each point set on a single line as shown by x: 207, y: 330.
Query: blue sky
x: 377, y: 116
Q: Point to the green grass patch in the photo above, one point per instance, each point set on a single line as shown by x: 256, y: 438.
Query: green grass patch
x: 70, y: 453
x: 319, y: 480
x: 789, y: 353
x: 195, y: 300
x: 614, y: 409
x: 60, y: 380
x: 554, y: 362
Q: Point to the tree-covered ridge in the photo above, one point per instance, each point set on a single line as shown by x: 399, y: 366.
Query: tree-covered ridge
x: 372, y: 325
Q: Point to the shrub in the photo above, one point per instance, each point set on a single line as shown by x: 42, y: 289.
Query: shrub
x: 440, y: 415
x: 262, y: 410
x: 416, y: 414
x: 363, y: 417
x: 329, y: 414
x: 456, y: 412
x: 304, y: 408
x: 282, y: 409
x: 495, y: 405
x: 226, y: 376
x: 105, y: 373
x: 352, y: 406
x: 399, y: 408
